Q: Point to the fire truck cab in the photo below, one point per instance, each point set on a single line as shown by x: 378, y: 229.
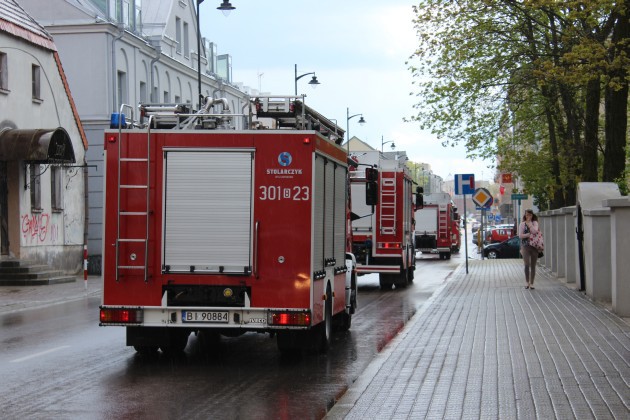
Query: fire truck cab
x: 214, y: 230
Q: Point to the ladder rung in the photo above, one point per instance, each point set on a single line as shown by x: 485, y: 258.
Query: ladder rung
x: 131, y: 240
x: 134, y: 159
x: 134, y: 186
x: 133, y: 213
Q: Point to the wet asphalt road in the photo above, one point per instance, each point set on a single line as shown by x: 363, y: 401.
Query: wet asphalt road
x: 56, y: 362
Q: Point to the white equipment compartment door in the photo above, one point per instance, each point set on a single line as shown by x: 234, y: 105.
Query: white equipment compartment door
x: 207, y: 211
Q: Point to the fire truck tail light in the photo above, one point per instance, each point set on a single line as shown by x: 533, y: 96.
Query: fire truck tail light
x: 290, y: 318
x: 389, y: 245
x: 121, y: 316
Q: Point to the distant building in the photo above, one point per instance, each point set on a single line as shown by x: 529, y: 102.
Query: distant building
x: 42, y: 149
x: 127, y: 52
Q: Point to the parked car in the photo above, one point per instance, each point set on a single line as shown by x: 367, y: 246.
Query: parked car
x: 506, y: 249
x: 500, y: 235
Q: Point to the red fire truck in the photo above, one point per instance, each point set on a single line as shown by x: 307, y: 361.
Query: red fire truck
x: 457, y: 234
x: 222, y: 231
x: 382, y: 230
x: 435, y: 225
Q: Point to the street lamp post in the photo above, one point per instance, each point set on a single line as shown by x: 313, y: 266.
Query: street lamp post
x: 314, y: 82
x: 225, y: 7
x: 383, y: 143
x: 200, y: 97
x: 348, y: 118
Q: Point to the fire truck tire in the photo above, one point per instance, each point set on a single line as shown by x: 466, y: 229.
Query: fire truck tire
x: 402, y: 279
x: 146, y: 350
x: 323, y: 332
x: 386, y: 281
x: 343, y: 321
x: 209, y: 340
x: 175, y: 341
x: 290, y: 342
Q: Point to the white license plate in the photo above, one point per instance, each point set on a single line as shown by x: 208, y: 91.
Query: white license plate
x: 205, y: 316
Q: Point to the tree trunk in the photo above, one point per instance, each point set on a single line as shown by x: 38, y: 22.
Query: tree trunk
x: 571, y: 145
x: 557, y: 198
x: 616, y: 102
x: 591, y: 127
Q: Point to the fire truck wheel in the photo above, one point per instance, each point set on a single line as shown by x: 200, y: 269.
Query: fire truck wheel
x: 343, y: 321
x: 209, y: 340
x: 323, y: 332
x: 402, y: 279
x: 176, y: 341
x: 146, y: 350
x: 386, y: 281
x: 289, y: 342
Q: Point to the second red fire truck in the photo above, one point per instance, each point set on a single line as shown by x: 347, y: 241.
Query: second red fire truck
x: 382, y: 229
x: 214, y: 230
x: 437, y: 227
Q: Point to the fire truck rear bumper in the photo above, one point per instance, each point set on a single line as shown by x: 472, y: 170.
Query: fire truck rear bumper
x: 250, y: 319
x: 387, y: 269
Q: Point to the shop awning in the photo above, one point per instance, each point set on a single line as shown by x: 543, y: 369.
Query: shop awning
x: 36, y: 145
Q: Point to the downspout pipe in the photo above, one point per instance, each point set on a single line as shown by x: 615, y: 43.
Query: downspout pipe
x: 158, y: 54
x: 121, y: 33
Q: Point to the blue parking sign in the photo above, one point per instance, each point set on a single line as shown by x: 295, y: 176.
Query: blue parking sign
x: 464, y: 184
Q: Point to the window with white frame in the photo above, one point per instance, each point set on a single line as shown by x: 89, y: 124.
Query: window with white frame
x: 35, y: 174
x: 122, y: 88
x: 178, y: 35
x: 186, y: 42
x: 36, y: 73
x: 56, y: 187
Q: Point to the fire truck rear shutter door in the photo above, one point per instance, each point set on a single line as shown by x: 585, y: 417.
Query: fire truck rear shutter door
x: 207, y: 211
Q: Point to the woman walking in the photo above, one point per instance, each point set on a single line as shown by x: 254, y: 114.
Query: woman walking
x: 527, y: 228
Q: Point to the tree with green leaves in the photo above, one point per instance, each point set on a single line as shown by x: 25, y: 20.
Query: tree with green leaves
x: 524, y: 82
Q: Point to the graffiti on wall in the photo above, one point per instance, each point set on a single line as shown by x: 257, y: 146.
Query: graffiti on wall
x: 37, y: 229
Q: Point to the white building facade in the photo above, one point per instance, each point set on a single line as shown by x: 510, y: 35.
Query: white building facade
x: 128, y: 52
x: 42, y: 149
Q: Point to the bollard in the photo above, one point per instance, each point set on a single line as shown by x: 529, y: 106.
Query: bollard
x: 85, y: 266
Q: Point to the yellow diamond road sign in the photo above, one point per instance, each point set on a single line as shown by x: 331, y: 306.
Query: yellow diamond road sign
x: 482, y: 197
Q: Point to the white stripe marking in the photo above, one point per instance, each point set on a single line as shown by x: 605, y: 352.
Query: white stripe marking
x: 32, y: 356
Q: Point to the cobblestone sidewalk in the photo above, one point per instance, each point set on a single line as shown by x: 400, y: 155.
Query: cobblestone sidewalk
x: 485, y: 347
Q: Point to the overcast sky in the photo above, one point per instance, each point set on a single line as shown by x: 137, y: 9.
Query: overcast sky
x: 357, y: 48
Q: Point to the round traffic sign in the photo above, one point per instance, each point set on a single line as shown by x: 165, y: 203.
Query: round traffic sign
x: 482, y: 197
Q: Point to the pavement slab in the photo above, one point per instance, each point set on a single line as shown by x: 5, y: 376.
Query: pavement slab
x: 485, y: 347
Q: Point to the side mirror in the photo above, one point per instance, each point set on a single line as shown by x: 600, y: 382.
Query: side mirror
x: 371, y: 174
x: 371, y: 193
x: 419, y: 198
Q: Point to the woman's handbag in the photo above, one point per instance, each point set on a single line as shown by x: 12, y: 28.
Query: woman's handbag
x: 536, y: 240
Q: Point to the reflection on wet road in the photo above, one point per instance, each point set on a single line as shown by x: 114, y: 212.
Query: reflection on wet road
x: 57, y: 363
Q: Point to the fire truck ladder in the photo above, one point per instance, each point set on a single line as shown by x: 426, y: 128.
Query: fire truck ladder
x: 443, y: 221
x: 129, y: 163
x: 388, y: 203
